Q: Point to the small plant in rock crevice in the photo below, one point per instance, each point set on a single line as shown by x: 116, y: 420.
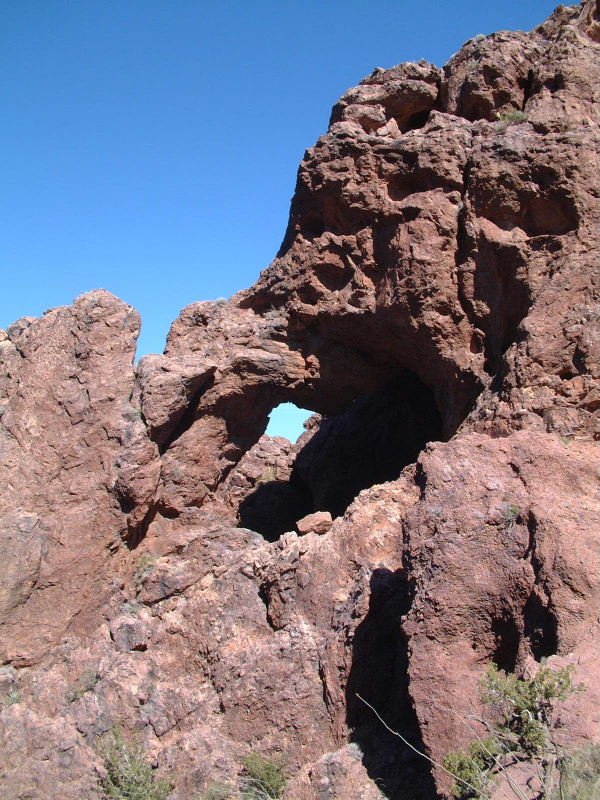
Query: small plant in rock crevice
x: 513, y: 116
x: 510, y: 515
x: 268, y: 474
x: 519, y: 730
x: 129, y: 776
x: 262, y: 779
x: 143, y: 567
x: 12, y: 697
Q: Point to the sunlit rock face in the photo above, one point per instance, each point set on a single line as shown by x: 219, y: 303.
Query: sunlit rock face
x: 168, y: 568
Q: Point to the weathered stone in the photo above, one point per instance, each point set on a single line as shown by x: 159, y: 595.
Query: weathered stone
x: 319, y: 522
x: 434, y: 302
x: 68, y: 382
x: 130, y: 633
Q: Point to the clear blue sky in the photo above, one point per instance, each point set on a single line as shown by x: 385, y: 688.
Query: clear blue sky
x: 150, y: 147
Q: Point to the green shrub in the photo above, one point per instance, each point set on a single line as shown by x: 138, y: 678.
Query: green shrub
x: 12, y: 697
x: 268, y: 474
x: 510, y: 514
x: 519, y: 728
x: 263, y: 778
x: 473, y: 767
x: 513, y: 117
x: 524, y: 707
x: 220, y: 791
x: 144, y: 566
x: 129, y: 775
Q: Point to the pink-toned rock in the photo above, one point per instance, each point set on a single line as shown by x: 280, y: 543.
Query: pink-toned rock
x: 130, y: 633
x: 337, y: 776
x: 319, y: 522
x: 435, y: 302
x: 67, y: 384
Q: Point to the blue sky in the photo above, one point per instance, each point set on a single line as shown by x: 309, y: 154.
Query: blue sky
x: 150, y: 147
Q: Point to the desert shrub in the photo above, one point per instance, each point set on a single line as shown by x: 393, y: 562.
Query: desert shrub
x: 524, y: 707
x: 263, y: 778
x: 220, y: 791
x: 128, y: 775
x: 513, y: 117
x: 144, y: 566
x: 579, y: 774
x: 519, y: 728
x: 268, y: 474
x: 473, y: 767
x: 510, y: 515
x: 12, y: 697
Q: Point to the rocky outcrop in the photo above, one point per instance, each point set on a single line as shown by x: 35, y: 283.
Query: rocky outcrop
x: 167, y: 568
x: 67, y: 382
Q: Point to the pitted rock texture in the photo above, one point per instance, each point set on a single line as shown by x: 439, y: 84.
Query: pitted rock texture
x: 434, y: 302
x: 452, y: 243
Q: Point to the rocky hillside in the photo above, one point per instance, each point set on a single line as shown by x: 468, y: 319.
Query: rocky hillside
x: 434, y: 302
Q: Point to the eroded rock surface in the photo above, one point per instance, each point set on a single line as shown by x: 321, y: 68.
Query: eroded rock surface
x: 169, y: 569
x: 67, y: 382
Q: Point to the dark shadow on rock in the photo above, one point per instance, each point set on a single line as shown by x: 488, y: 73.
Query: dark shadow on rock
x: 379, y: 674
x: 369, y: 443
x: 274, y: 507
x: 541, y: 627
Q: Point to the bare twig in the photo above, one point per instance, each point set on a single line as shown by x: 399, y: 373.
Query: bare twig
x: 420, y: 753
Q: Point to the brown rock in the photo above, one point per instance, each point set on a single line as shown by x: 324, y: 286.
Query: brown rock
x: 434, y: 301
x: 68, y: 380
x: 319, y: 522
x: 337, y: 776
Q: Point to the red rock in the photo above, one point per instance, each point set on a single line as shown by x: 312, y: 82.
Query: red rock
x: 67, y: 380
x: 435, y: 302
x: 319, y: 522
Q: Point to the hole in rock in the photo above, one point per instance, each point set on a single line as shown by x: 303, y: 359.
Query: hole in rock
x: 556, y: 83
x: 416, y: 120
x: 507, y: 635
x: 540, y: 627
x: 369, y: 442
x: 332, y: 276
x: 287, y: 420
x: 312, y: 225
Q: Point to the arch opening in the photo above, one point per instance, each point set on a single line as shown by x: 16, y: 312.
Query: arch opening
x: 368, y: 442
x: 288, y: 421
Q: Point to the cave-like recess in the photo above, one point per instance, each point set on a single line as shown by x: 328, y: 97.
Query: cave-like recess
x: 369, y: 442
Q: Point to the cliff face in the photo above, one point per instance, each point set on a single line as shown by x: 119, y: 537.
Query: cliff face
x: 434, y: 302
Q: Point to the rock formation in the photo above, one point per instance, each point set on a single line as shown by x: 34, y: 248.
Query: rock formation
x: 434, y: 303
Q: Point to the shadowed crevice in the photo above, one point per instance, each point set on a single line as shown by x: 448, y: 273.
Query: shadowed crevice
x: 187, y: 419
x: 379, y: 674
x: 369, y: 443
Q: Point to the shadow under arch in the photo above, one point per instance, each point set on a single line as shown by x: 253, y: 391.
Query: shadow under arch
x: 367, y: 443
x: 379, y: 674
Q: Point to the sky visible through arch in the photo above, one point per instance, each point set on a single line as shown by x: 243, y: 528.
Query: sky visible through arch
x: 287, y: 420
x: 150, y: 147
